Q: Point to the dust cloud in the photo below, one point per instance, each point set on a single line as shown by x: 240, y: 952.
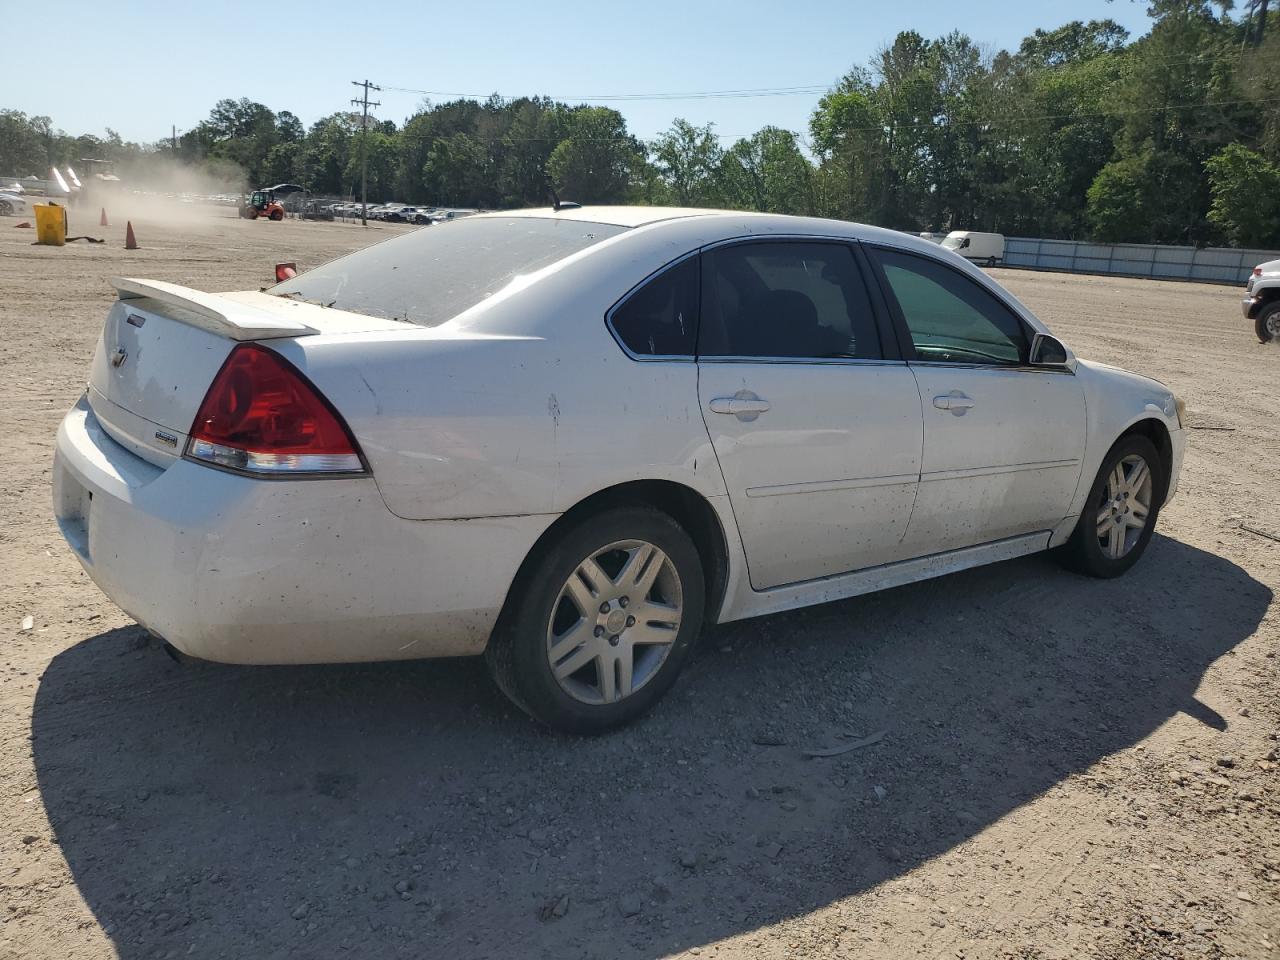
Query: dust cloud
x: 162, y: 190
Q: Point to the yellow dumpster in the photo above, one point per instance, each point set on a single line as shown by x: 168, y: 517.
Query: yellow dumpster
x: 51, y: 224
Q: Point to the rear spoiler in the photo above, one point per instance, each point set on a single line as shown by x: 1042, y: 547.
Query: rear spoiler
x: 208, y: 311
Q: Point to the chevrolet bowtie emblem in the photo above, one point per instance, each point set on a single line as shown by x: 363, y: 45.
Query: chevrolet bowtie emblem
x: 119, y: 357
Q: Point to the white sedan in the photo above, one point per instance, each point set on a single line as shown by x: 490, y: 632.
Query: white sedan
x: 566, y: 439
x: 14, y: 204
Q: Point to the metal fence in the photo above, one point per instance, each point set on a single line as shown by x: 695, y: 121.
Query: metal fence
x: 1206, y: 264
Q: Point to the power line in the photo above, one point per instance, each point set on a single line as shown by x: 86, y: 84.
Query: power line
x: 805, y: 89
x: 941, y: 124
x: 746, y: 93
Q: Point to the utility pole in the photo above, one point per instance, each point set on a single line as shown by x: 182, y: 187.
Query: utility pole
x: 364, y: 146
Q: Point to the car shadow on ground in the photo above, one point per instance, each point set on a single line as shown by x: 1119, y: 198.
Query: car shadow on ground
x: 405, y: 809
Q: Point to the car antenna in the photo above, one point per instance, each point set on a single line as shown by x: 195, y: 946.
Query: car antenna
x: 557, y: 204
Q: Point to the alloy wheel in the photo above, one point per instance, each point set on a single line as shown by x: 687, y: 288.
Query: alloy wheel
x: 1125, y: 506
x: 614, y: 622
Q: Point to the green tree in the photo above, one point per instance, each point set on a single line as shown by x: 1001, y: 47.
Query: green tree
x: 1119, y: 209
x: 597, y: 158
x: 767, y: 172
x: 322, y: 163
x: 23, y: 144
x: 242, y: 132
x: 688, y: 158
x: 1245, y: 187
x: 457, y: 171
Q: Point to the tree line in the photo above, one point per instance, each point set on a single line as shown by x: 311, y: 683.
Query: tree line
x: 1081, y: 132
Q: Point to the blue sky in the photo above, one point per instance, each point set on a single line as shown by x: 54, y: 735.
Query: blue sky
x: 139, y: 66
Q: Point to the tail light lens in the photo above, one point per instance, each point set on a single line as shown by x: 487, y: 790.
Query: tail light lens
x: 1257, y: 271
x: 262, y: 416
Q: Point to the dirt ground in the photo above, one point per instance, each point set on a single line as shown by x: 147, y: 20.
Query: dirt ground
x: 1070, y: 768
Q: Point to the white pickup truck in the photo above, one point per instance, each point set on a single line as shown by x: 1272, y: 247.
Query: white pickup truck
x: 1261, y: 302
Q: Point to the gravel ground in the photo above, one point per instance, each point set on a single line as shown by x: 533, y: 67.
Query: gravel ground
x: 1069, y: 768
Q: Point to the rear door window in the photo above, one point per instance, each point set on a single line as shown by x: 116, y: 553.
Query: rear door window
x: 797, y: 300
x: 432, y: 275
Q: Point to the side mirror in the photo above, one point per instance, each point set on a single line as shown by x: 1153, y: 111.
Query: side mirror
x: 1048, y: 351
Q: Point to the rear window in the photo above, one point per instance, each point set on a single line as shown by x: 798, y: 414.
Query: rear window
x: 437, y: 272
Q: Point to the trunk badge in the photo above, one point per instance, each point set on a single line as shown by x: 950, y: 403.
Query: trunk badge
x: 135, y: 320
x: 119, y: 357
x: 168, y: 439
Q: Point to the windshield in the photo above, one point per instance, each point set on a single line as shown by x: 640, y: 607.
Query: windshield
x: 430, y: 276
x: 953, y: 243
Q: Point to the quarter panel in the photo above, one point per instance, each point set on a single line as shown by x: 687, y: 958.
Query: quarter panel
x: 452, y: 427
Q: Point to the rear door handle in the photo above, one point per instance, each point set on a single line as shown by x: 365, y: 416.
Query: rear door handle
x: 741, y: 407
x: 955, y: 401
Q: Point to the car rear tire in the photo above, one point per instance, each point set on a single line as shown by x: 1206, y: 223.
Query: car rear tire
x: 6, y: 208
x: 600, y: 621
x: 1120, y: 513
x: 1267, y: 326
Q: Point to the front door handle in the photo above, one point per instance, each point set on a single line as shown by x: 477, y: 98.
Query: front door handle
x: 744, y: 408
x: 955, y: 401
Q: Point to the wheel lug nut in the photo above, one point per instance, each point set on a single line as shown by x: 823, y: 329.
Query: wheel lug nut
x: 604, y: 607
x: 623, y: 602
x: 613, y: 640
x: 631, y: 621
x: 599, y: 631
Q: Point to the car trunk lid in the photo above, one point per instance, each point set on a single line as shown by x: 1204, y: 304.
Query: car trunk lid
x: 162, y: 345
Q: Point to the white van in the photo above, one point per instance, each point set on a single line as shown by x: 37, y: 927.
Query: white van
x: 985, y: 248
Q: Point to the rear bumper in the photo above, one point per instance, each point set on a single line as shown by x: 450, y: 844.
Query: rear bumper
x: 242, y: 570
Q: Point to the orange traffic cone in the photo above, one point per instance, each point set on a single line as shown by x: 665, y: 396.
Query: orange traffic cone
x: 130, y: 242
x: 102, y: 220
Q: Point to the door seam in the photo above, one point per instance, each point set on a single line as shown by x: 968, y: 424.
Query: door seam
x: 706, y: 430
x: 920, y: 466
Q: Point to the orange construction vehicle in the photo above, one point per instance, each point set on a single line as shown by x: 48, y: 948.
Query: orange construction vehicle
x: 263, y: 203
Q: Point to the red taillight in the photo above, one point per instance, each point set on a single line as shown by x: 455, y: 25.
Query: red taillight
x: 262, y: 416
x: 286, y: 271
x: 1257, y: 271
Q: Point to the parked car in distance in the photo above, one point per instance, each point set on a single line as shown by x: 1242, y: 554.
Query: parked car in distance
x: 932, y: 237
x: 984, y: 248
x: 15, y: 205
x: 566, y: 440
x: 440, y: 215
x: 1261, y: 302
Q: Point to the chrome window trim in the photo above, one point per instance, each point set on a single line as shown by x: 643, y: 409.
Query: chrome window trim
x: 1013, y: 367
x: 984, y: 282
x: 826, y: 361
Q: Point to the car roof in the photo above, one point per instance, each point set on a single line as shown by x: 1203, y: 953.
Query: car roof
x: 724, y: 222
x: 617, y: 216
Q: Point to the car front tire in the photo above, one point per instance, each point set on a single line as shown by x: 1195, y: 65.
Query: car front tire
x: 1120, y: 513
x: 1267, y: 326
x: 600, y: 621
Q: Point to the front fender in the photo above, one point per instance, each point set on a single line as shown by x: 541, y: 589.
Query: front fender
x: 1115, y: 402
